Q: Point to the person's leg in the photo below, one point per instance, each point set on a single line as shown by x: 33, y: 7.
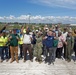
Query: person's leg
x: 16, y: 53
x: 54, y: 53
x: 1, y: 53
x: 64, y: 46
x: 69, y: 53
x: 12, y: 53
x: 21, y: 52
x: 25, y: 51
x: 44, y: 48
x: 66, y: 53
x: 75, y: 50
x: 50, y: 55
x: 6, y: 53
x: 30, y: 51
x: 60, y: 52
x: 39, y: 54
x: 57, y: 53
x: 9, y: 52
x: 46, y: 54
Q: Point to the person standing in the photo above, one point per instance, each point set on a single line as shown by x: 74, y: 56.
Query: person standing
x: 69, y: 46
x: 74, y: 34
x: 64, y: 45
x: 49, y: 47
x: 1, y: 48
x: 60, y: 45
x: 27, y: 45
x: 5, y: 46
x: 55, y: 44
x: 14, y: 46
x: 38, y: 48
x: 21, y: 44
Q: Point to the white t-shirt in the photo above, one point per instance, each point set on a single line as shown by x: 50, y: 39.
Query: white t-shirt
x: 65, y: 35
x: 27, y: 39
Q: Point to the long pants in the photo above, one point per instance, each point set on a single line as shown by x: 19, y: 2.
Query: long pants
x: 27, y: 47
x: 38, y: 52
x: 14, y: 52
x: 5, y: 52
x: 64, y: 46
x: 59, y: 52
x: 54, y: 53
x: 21, y: 50
x: 51, y: 54
x: 68, y: 52
x: 75, y: 49
x: 1, y: 53
x: 44, y: 50
x: 9, y: 52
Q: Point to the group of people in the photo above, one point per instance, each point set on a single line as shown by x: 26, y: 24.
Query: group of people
x: 49, y: 42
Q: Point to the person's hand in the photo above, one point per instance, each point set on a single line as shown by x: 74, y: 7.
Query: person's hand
x: 66, y: 43
x: 45, y: 37
x: 17, y: 37
x: 10, y: 37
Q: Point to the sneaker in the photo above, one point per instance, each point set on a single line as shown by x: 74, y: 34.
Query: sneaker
x: 6, y: 60
x: 31, y: 60
x: 11, y: 61
x: 40, y: 62
x: 49, y: 63
x: 24, y: 61
x: 17, y: 61
x: 68, y: 60
x: 36, y: 60
x: 1, y: 61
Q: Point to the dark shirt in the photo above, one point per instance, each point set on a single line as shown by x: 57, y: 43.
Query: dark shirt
x: 49, y: 41
x: 14, y: 40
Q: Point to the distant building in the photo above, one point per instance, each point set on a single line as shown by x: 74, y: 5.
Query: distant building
x: 72, y: 25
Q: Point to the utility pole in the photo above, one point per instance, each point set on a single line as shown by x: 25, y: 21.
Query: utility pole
x: 29, y: 18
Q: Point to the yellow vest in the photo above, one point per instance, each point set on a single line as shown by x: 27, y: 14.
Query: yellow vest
x: 1, y: 41
x: 5, y: 40
x: 24, y: 31
x: 21, y: 40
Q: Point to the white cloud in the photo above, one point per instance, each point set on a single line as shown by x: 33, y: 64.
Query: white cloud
x: 71, y: 4
x: 38, y: 19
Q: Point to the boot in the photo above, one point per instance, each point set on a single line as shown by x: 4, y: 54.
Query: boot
x: 11, y: 60
x: 17, y: 61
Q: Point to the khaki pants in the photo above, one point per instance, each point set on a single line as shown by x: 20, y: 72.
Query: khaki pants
x: 14, y: 52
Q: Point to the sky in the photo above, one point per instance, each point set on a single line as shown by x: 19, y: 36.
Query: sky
x: 38, y: 11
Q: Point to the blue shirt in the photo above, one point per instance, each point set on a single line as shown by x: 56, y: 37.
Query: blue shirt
x: 49, y: 41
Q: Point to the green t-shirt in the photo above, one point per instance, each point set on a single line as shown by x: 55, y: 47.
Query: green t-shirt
x: 55, y: 44
x: 14, y: 40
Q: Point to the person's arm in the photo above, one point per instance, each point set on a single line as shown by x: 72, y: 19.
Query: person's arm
x: 3, y: 28
x: 72, y: 42
x: 56, y: 38
x: 18, y: 38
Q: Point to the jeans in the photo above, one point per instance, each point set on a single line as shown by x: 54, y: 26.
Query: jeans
x: 54, y: 53
x: 51, y: 57
x: 21, y: 50
x: 5, y: 49
x: 1, y: 53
